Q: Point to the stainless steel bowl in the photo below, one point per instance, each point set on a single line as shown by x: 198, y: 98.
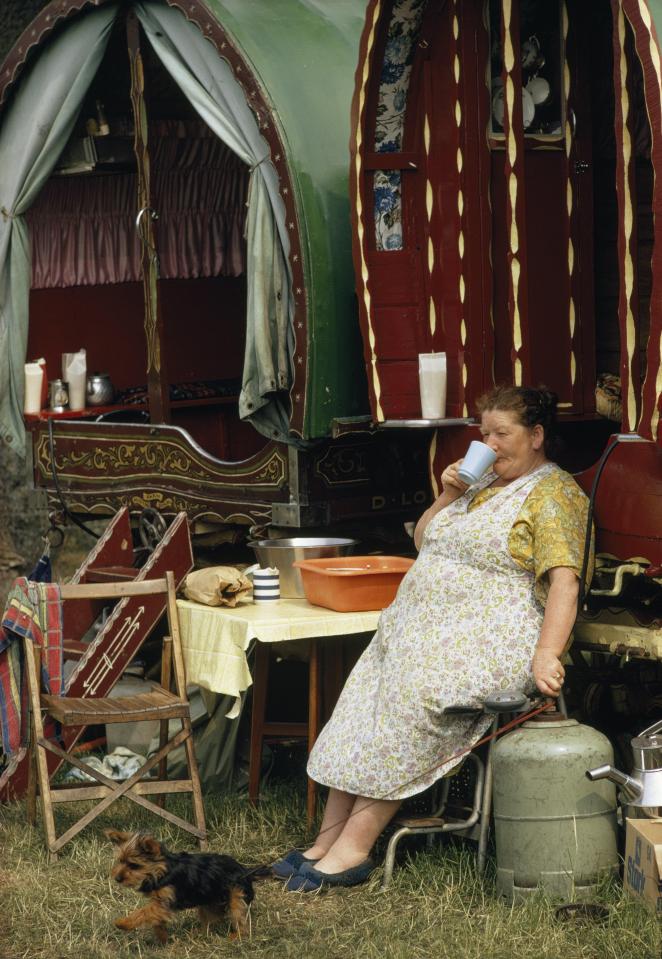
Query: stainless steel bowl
x: 281, y: 553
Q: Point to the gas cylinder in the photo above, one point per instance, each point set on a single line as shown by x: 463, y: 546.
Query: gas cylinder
x: 555, y: 830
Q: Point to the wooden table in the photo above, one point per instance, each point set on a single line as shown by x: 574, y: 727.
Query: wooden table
x: 215, y: 640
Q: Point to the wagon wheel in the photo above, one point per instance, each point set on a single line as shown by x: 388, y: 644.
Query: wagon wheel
x: 151, y: 528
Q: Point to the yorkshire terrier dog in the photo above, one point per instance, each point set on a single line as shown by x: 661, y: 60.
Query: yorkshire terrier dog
x: 218, y: 886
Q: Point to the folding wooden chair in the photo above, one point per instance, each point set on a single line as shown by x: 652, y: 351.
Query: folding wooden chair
x: 160, y: 704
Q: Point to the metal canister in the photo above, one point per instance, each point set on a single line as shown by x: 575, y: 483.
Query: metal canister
x: 59, y: 396
x: 555, y: 830
x: 100, y: 390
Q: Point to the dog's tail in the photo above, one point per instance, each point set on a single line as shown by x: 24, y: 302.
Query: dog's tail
x: 257, y: 872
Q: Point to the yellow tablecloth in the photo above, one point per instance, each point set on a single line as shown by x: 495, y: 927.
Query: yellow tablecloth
x: 215, y: 638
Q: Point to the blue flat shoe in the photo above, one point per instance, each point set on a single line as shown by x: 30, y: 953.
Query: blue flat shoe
x: 299, y: 883
x: 309, y: 879
x: 289, y: 865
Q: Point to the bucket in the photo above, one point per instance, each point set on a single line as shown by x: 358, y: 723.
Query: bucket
x: 282, y: 553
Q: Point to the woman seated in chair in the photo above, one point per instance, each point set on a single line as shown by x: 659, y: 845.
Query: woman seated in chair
x: 489, y: 604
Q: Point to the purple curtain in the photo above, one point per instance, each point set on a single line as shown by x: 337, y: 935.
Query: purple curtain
x: 82, y: 226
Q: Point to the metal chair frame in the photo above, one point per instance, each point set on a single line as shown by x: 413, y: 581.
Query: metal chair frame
x: 478, y: 818
x: 478, y: 821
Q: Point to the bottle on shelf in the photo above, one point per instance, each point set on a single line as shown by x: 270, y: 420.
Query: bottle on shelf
x: 102, y: 121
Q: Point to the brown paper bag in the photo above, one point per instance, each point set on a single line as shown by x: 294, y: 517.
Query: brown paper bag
x: 216, y: 586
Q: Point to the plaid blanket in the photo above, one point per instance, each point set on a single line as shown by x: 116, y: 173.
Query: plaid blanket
x: 33, y: 610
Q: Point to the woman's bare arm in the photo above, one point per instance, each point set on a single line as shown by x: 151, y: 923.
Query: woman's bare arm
x: 559, y: 618
x: 452, y: 489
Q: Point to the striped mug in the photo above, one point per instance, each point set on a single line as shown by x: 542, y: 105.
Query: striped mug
x: 266, y: 585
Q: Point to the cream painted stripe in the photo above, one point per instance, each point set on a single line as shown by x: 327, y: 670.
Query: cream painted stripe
x: 508, y: 50
x: 457, y: 72
x: 628, y: 223
x: 511, y: 146
x: 429, y: 207
x: 359, y: 209
x: 655, y: 60
x: 569, y: 202
x: 431, y: 455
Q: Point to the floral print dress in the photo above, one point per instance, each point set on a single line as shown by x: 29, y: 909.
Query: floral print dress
x: 465, y: 622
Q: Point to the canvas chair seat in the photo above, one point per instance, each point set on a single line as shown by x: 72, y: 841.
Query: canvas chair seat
x: 161, y: 704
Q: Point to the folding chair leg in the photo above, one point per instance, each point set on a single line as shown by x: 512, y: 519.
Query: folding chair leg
x: 166, y: 682
x: 194, y: 776
x: 176, y: 659
x: 486, y: 805
x: 164, y: 726
x: 389, y: 859
x: 40, y: 761
x: 31, y: 795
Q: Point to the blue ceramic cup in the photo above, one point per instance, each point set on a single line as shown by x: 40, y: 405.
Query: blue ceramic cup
x: 478, y: 459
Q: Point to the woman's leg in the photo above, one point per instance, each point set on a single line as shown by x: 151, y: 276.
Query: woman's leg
x: 336, y: 812
x: 358, y: 835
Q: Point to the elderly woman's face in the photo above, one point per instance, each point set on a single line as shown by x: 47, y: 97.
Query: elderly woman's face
x: 518, y: 448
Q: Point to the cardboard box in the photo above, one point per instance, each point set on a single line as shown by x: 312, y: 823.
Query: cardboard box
x: 642, y: 873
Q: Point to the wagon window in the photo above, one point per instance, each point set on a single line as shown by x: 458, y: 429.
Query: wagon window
x: 394, y: 80
x: 541, y: 57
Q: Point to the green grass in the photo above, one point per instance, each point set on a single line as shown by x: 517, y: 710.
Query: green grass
x: 436, y: 906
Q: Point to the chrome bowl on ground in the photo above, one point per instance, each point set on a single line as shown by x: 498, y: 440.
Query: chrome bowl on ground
x: 281, y: 553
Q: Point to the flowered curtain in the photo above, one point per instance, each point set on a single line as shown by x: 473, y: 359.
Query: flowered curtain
x: 82, y: 227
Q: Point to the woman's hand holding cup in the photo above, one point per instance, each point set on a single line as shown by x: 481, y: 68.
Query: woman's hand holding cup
x: 451, y: 483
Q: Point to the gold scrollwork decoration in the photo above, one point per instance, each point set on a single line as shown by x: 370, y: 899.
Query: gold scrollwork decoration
x: 339, y: 467
x: 169, y: 460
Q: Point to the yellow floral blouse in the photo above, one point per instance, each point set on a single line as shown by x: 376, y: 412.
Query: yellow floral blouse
x: 550, y: 529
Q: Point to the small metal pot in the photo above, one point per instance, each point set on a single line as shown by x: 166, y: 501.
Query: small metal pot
x: 59, y: 396
x: 100, y: 390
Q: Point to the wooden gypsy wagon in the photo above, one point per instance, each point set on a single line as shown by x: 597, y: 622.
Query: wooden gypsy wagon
x: 174, y: 191
x: 506, y: 187
x: 174, y: 197
x: 503, y: 195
